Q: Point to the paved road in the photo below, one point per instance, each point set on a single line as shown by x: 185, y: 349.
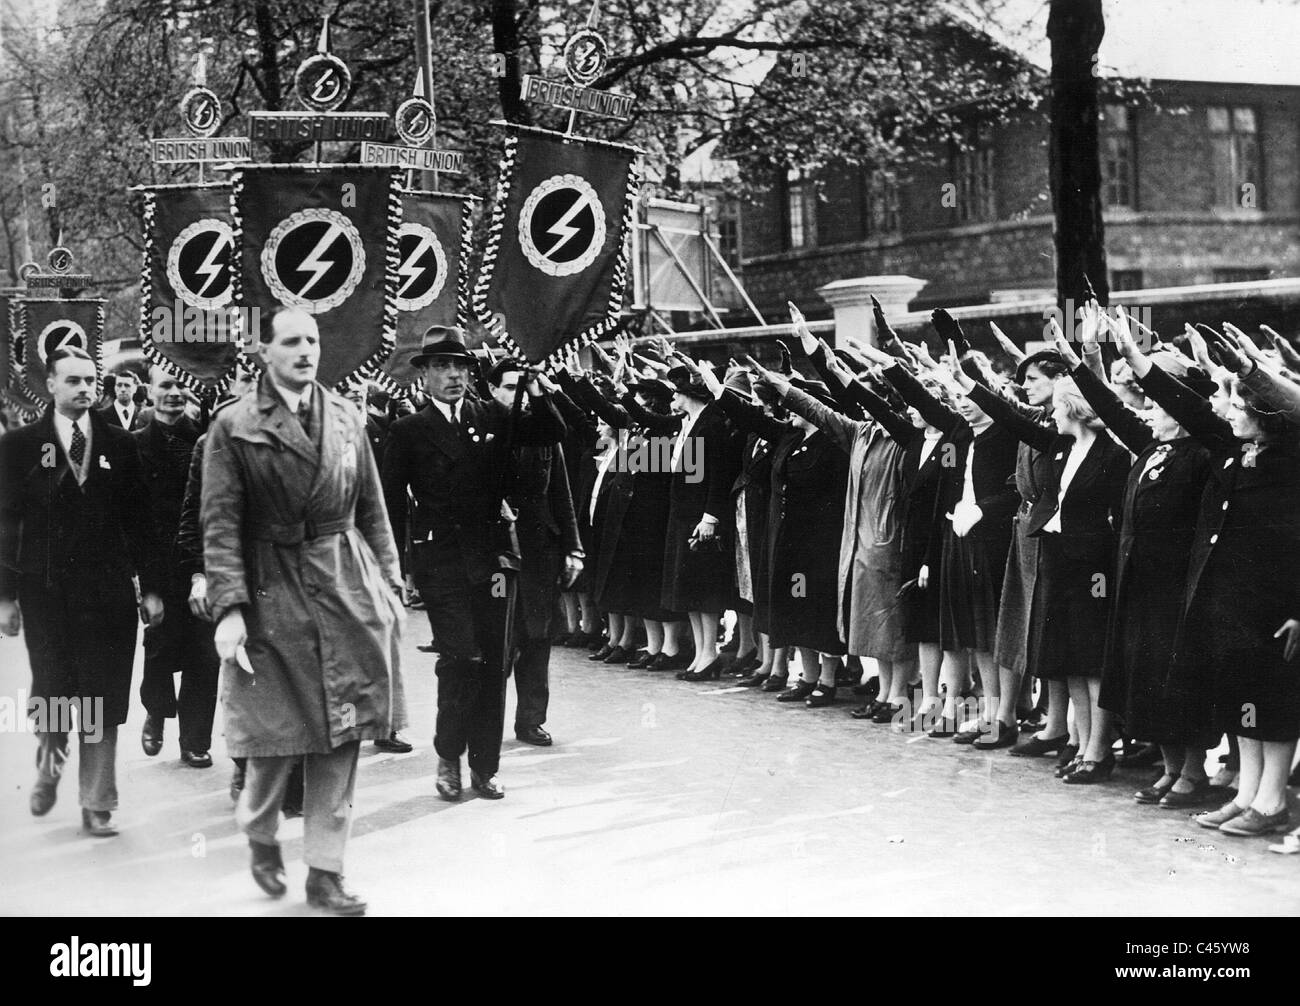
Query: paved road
x: 659, y: 797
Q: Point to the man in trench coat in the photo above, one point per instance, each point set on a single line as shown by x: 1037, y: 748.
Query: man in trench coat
x: 303, y: 580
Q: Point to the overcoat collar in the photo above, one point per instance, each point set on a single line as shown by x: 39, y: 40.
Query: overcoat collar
x: 275, y: 420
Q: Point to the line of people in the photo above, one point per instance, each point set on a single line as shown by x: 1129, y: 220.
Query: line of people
x: 1130, y: 542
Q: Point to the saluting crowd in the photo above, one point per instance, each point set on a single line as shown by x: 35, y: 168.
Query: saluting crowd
x: 939, y: 536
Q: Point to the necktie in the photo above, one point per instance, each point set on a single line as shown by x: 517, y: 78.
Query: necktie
x: 455, y: 420
x: 304, y: 416
x: 78, y: 451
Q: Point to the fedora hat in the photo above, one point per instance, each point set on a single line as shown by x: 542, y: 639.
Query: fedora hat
x: 442, y: 340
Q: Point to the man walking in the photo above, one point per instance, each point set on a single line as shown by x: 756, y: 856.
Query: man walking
x: 182, y: 644
x: 123, y: 412
x: 303, y: 582
x: 454, y: 457
x: 74, y: 529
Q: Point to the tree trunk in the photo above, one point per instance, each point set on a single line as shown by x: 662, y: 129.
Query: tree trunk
x: 1075, y: 29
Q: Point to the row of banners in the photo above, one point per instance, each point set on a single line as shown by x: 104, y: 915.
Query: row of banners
x: 375, y: 263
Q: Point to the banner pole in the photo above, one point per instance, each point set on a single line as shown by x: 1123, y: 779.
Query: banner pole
x: 424, y: 62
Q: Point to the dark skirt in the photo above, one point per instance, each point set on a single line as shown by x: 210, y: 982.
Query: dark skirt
x: 636, y: 554
x: 921, y: 612
x: 698, y: 579
x: 1141, y: 684
x: 970, y: 586
x: 1072, y: 607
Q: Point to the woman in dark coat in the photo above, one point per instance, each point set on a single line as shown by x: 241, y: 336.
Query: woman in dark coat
x: 1241, y: 615
x: 1076, y: 519
x: 978, y: 503
x: 805, y: 514
x: 632, y: 514
x: 580, y: 449
x: 1161, y: 501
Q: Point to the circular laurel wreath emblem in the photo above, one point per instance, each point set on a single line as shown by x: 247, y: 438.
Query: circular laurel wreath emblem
x: 413, y: 121
x: 59, y: 260
x: 60, y: 335
x: 585, y: 56
x: 313, y: 259
x: 423, y: 270
x: 562, y: 225
x: 322, y: 82
x: 199, y: 266
x: 29, y: 269
x: 201, y: 111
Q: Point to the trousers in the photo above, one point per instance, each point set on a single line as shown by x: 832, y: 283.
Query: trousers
x: 532, y: 682
x: 96, y: 766
x: 329, y: 781
x: 468, y: 621
x: 182, y: 644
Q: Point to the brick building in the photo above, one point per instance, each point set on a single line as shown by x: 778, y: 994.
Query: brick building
x: 1201, y: 182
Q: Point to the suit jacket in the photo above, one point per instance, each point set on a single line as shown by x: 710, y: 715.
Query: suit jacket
x: 139, y: 419
x: 456, y: 530
x: 165, y: 477
x: 548, y: 530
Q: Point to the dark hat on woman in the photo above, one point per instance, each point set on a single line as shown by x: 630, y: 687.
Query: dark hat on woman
x: 817, y: 390
x: 1200, y: 382
x: 1047, y: 360
x: 442, y: 340
x: 653, y: 387
x: 684, y: 380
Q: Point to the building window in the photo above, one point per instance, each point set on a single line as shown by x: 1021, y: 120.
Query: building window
x: 1241, y: 275
x: 801, y: 212
x: 1118, y: 166
x: 1234, y: 150
x: 973, y: 170
x: 1123, y: 280
x: 882, y: 203
x: 729, y: 240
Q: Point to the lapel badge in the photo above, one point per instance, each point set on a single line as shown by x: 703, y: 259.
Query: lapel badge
x: 103, y: 463
x: 1228, y: 463
x: 488, y: 437
x: 1154, y: 473
x: 1061, y: 455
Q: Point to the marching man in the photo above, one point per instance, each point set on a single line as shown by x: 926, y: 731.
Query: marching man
x: 304, y: 585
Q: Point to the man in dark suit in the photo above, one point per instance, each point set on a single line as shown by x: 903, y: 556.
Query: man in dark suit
x: 123, y: 412
x: 74, y: 529
x: 464, y: 555
x: 550, y: 554
x: 182, y: 644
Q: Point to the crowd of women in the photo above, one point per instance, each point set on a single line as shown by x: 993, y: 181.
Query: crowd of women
x: 939, y: 538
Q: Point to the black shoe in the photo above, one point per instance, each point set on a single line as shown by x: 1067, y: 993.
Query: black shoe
x: 774, y: 684
x: 663, y: 662
x: 1154, y: 792
x: 643, y: 658
x: 533, y: 735
x: 325, y: 890
x: 448, y: 785
x: 268, y: 868
x: 196, y: 759
x: 823, y: 695
x: 1090, y: 772
x: 43, y: 797
x: 885, y: 712
x: 753, y: 680
x: 712, y: 672
x: 617, y: 655
x: 97, y: 823
x: 1003, y: 737
x: 1068, y: 756
x: 797, y: 692
x: 395, y: 743
x: 602, y: 653
x: 486, y: 786
x: 1035, y: 748
x: 151, y: 737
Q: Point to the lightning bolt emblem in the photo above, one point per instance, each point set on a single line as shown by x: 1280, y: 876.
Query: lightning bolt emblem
x: 408, y: 269
x: 324, y: 89
x: 209, y: 267
x: 563, y: 228
x: 313, y: 263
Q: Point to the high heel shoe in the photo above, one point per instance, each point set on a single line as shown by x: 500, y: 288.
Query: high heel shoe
x: 602, y: 653
x: 1068, y: 769
x: 775, y: 684
x: 1090, y: 772
x: 1155, y: 792
x: 712, y: 672
x: 753, y: 680
x: 642, y: 660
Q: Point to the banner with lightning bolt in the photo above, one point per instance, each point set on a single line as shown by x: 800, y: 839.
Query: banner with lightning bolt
x: 323, y: 239
x: 555, y: 266
x: 188, y: 323
x: 11, y: 387
x: 432, y: 282
x: 41, y: 325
